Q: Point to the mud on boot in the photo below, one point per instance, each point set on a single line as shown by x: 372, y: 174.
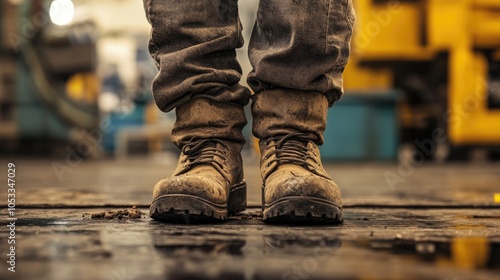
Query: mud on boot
x: 203, y: 188
x: 296, y: 186
x: 208, y: 183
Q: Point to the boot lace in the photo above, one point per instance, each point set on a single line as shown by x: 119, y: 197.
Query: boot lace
x: 292, y: 148
x: 204, y: 151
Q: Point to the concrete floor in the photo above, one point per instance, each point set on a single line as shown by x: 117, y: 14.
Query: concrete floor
x: 402, y: 221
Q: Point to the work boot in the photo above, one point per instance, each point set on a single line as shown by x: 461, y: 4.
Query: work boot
x: 296, y: 187
x: 208, y: 182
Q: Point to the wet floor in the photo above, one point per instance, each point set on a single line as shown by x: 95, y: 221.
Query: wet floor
x: 371, y: 244
x: 428, y: 236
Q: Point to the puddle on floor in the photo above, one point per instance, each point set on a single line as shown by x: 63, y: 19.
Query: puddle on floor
x: 310, y: 254
x: 43, y: 222
x: 471, y: 253
x: 184, y: 251
x: 461, y: 252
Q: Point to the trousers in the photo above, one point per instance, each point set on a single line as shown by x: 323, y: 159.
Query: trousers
x: 296, y: 45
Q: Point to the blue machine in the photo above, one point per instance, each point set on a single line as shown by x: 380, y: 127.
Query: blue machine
x: 362, y: 126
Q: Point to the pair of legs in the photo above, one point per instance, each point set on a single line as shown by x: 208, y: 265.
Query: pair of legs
x: 298, y: 51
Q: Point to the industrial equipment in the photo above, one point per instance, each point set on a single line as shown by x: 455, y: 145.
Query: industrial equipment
x: 52, y: 97
x: 445, y: 56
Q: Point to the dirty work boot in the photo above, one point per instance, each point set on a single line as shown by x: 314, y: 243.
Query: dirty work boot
x: 290, y: 126
x: 208, y: 182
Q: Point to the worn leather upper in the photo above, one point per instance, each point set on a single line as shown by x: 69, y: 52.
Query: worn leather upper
x: 292, y: 173
x: 208, y: 172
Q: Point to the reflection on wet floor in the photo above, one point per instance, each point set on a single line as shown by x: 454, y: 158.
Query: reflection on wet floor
x: 209, y: 247
x: 475, y: 252
x: 313, y: 247
x: 461, y: 252
x: 277, y: 244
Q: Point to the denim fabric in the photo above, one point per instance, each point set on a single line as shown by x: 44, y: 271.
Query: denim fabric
x: 301, y: 45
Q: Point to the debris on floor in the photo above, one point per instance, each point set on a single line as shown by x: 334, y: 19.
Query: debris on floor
x: 132, y: 213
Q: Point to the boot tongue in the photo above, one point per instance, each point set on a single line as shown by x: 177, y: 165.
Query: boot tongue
x: 283, y: 150
x: 292, y: 151
x: 203, y: 148
x: 205, y: 155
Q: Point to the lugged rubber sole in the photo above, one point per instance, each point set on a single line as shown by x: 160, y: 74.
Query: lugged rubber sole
x: 183, y: 208
x: 302, y: 209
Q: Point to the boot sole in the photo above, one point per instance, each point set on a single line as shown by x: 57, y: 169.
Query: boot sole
x: 184, y: 208
x: 304, y: 210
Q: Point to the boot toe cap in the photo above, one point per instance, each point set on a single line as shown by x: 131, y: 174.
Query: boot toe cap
x: 192, y: 185
x: 311, y: 186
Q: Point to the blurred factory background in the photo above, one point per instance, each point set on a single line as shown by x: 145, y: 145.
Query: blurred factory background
x: 423, y: 81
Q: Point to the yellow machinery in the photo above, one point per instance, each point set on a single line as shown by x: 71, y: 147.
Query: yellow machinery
x: 443, y: 52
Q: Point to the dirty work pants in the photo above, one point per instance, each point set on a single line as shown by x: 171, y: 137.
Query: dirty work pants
x: 301, y: 45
